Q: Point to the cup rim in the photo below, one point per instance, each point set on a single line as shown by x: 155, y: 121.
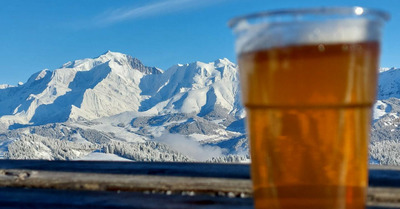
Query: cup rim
x: 355, y: 11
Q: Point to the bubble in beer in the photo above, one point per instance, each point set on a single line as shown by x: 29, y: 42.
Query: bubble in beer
x: 321, y: 47
x: 345, y: 47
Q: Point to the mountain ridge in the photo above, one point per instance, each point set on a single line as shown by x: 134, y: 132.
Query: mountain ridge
x: 83, y: 79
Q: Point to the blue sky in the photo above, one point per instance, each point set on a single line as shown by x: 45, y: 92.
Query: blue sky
x: 43, y: 34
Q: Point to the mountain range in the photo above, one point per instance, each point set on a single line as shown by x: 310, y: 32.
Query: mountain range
x: 113, y: 107
x: 117, y: 99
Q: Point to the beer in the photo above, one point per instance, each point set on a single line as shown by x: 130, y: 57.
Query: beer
x: 309, y: 110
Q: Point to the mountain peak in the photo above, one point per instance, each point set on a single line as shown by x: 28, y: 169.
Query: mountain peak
x: 132, y: 61
x: 112, y: 55
x: 224, y: 61
x: 4, y: 86
x: 384, y: 69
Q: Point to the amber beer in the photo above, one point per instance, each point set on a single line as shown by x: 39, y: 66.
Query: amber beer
x: 309, y: 110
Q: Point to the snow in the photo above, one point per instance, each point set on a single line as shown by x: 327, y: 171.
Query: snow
x: 206, y: 138
x: 394, y: 115
x: 190, y: 147
x: 4, y: 147
x: 4, y: 86
x: 98, y: 156
x: 42, y: 74
x: 383, y: 69
x: 79, y: 139
x: 380, y: 109
x: 389, y: 83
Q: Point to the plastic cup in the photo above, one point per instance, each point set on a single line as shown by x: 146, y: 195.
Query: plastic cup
x: 308, y: 80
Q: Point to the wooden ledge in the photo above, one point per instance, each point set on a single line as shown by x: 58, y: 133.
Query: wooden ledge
x: 119, y: 182
x: 186, y: 183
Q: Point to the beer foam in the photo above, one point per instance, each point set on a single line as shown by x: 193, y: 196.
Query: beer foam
x: 254, y: 37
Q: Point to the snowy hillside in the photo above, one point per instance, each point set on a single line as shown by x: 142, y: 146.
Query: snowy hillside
x: 114, y: 98
x: 385, y: 133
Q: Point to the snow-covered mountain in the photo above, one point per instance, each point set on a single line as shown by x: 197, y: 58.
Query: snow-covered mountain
x: 114, y: 107
x: 115, y: 95
x: 114, y: 83
x: 89, y: 89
